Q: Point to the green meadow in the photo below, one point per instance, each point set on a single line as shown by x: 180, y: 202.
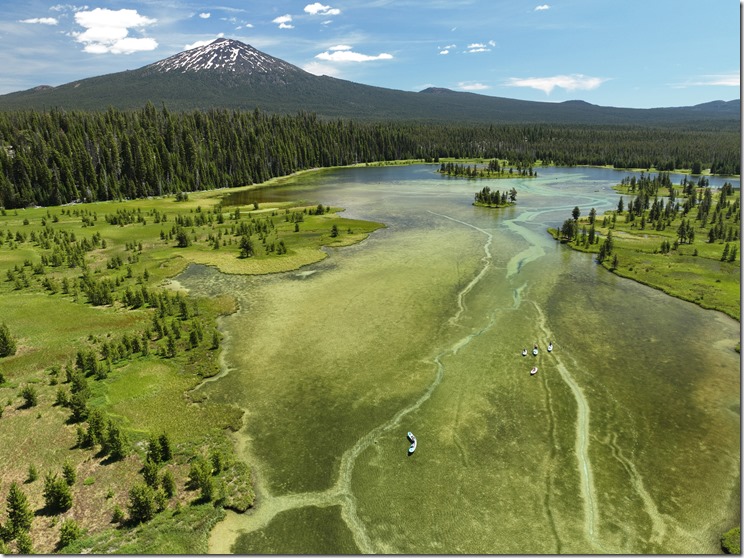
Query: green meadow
x: 96, y: 278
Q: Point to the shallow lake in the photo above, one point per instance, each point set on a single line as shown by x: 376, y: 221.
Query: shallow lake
x: 626, y: 440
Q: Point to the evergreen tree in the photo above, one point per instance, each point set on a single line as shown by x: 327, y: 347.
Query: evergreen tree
x: 24, y: 544
x: 166, y: 453
x: 7, y: 341
x: 142, y: 506
x: 68, y: 472
x: 57, y: 494
x: 69, y: 532
x: 19, y: 512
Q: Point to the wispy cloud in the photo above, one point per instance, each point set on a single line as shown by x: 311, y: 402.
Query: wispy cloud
x: 542, y: 7
x: 106, y: 31
x: 284, y: 21
x: 468, y: 86
x: 571, y: 82
x: 205, y: 15
x: 727, y: 80
x: 41, y: 20
x: 319, y: 9
x: 446, y: 49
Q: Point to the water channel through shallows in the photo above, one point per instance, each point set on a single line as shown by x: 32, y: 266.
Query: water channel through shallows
x: 625, y: 441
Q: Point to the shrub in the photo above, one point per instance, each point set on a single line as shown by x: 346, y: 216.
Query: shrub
x: 731, y: 541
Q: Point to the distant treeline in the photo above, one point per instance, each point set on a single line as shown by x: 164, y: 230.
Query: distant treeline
x: 55, y: 157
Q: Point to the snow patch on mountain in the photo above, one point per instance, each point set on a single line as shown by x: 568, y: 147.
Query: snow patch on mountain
x: 224, y: 56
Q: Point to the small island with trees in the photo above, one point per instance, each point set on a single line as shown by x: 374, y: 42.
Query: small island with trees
x: 495, y: 198
x: 495, y: 168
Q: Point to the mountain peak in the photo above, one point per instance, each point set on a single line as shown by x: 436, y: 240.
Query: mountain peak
x: 224, y: 56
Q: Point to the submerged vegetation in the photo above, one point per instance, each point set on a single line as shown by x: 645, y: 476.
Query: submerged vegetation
x: 682, y: 239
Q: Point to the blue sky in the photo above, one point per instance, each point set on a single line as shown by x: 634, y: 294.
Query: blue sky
x: 628, y: 53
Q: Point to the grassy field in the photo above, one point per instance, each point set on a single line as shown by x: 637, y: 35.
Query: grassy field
x: 90, y: 278
x: 653, y: 253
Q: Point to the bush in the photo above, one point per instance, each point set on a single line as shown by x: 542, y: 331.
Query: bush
x: 117, y: 516
x: 731, y: 541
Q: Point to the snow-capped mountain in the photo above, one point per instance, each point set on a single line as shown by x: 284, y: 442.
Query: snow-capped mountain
x: 229, y: 74
x: 225, y: 56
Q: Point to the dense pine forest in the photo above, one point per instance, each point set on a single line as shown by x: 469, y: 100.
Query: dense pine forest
x: 55, y: 157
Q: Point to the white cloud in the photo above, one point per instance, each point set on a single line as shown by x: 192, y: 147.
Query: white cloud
x: 283, y: 21
x: 347, y: 55
x: 319, y: 9
x: 445, y: 51
x: 340, y: 47
x: 198, y: 44
x: 472, y: 86
x: 107, y: 31
x: 542, y: 7
x: 480, y: 47
x: 571, y: 82
x: 205, y: 15
x: 320, y: 69
x: 41, y: 20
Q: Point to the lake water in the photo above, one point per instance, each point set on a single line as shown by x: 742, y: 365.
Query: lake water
x: 627, y: 440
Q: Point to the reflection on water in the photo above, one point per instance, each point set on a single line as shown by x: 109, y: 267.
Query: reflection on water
x: 626, y: 441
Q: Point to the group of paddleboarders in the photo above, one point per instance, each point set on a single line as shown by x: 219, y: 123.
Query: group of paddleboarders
x: 535, y: 352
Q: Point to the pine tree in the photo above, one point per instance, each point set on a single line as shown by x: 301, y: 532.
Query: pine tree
x: 141, y: 505
x: 57, y: 494
x: 20, y: 515
x: 7, y: 341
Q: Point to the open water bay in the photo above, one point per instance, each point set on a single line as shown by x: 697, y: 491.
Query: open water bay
x: 627, y: 440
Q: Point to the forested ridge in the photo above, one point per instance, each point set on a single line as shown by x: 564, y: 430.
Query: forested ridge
x: 55, y: 157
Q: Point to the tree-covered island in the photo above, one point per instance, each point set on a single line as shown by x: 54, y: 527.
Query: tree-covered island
x: 495, y: 198
x: 495, y: 168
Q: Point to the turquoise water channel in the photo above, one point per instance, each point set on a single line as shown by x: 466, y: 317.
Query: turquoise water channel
x: 627, y: 440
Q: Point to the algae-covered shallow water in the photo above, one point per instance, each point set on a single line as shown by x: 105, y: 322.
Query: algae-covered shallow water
x: 627, y: 440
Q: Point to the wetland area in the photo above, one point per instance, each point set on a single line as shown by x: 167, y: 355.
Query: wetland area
x: 627, y: 440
